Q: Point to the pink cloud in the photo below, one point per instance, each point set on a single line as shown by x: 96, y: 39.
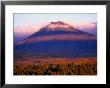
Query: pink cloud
x: 90, y: 27
x: 28, y: 29
x: 84, y: 25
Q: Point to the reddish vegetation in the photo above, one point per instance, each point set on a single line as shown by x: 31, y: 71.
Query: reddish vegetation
x: 56, y: 61
x: 57, y: 66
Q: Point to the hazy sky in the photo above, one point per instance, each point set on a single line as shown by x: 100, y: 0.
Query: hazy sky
x: 25, y: 19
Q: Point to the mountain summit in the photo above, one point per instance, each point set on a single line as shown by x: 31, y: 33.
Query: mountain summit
x: 59, y: 25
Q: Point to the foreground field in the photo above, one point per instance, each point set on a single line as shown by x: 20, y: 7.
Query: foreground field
x: 56, y: 66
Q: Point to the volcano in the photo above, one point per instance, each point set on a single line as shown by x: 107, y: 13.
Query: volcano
x: 57, y: 39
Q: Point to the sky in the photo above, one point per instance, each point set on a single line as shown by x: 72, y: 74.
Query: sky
x: 25, y: 19
x: 28, y: 23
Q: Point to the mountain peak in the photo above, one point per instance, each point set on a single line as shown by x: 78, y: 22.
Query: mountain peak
x: 59, y: 25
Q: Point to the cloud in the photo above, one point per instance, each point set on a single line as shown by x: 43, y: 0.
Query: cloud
x: 28, y: 29
x: 86, y: 26
x: 90, y: 27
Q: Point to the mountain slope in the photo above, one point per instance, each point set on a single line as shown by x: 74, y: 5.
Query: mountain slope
x: 57, y: 39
